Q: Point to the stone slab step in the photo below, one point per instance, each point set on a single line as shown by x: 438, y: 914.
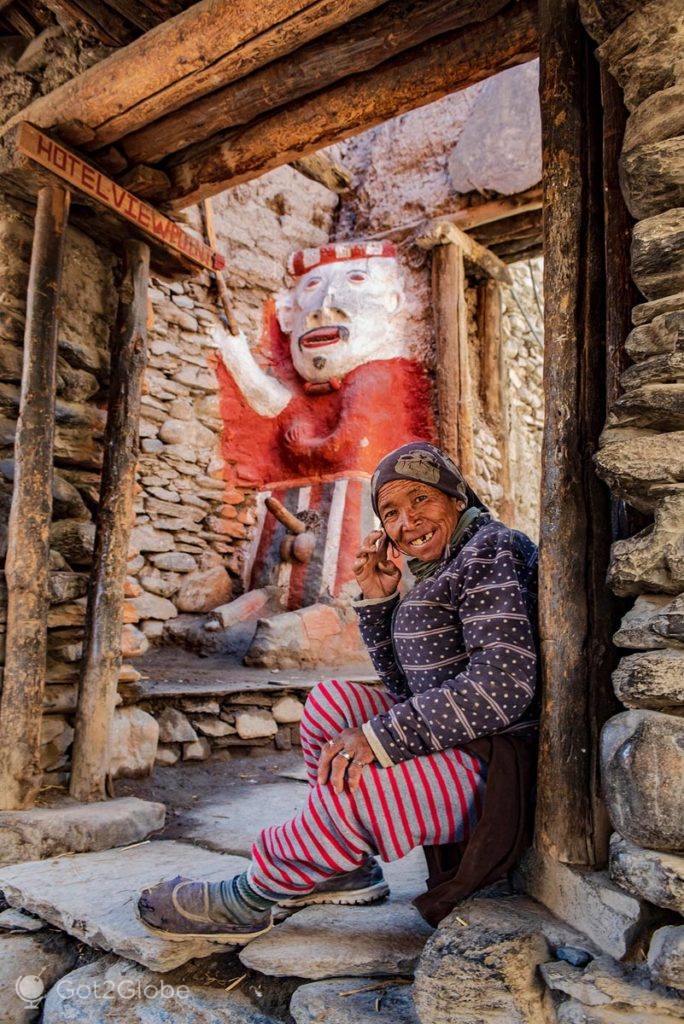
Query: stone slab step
x: 70, y: 827
x: 93, y: 896
x: 353, y: 1001
x: 227, y: 682
x: 327, y: 942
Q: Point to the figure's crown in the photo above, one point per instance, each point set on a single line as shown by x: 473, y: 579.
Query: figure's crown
x: 304, y: 260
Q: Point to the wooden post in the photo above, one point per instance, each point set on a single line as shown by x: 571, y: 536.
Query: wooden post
x: 28, y: 548
x: 221, y: 285
x: 452, y: 370
x: 491, y: 383
x: 104, y: 613
x: 574, y: 605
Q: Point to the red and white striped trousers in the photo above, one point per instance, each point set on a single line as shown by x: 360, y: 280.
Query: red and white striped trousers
x: 426, y: 801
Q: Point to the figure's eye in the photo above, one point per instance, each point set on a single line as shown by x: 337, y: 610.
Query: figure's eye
x: 418, y: 498
x: 356, y: 276
x: 389, y: 514
x: 312, y: 283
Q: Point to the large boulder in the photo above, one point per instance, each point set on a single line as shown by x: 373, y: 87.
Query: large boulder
x: 658, y: 254
x: 29, y: 966
x: 482, y: 964
x: 651, y: 679
x: 666, y: 956
x: 204, y: 591
x: 133, y: 743
x: 642, y: 763
x: 654, y: 621
x: 649, y: 874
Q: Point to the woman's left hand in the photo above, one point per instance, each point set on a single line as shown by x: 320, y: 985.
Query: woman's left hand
x: 334, y: 766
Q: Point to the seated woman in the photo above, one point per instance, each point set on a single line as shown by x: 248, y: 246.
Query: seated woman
x: 388, y: 769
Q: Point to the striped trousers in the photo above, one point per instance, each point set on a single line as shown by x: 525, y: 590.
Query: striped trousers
x: 426, y: 801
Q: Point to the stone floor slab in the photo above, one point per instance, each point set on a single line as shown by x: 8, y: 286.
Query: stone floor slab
x: 230, y: 825
x: 93, y: 896
x: 331, y: 942
x: 70, y: 827
x: 353, y: 1001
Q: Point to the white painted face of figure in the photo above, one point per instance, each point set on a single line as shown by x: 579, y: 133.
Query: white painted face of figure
x: 341, y: 315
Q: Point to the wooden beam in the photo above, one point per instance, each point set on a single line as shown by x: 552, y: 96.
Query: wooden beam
x: 350, y: 50
x: 494, y: 406
x: 104, y: 613
x: 96, y: 18
x: 574, y: 612
x: 319, y: 167
x: 494, y: 210
x: 28, y: 548
x: 523, y: 225
x: 452, y: 368
x: 481, y: 260
x: 451, y: 62
x: 182, y: 59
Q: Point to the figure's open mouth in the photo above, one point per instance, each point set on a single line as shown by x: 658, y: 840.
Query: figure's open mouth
x: 319, y: 337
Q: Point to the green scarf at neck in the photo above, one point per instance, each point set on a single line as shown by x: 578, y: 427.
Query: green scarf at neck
x: 423, y: 570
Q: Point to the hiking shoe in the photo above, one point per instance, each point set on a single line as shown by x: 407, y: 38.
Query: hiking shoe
x: 366, y: 884
x: 178, y: 910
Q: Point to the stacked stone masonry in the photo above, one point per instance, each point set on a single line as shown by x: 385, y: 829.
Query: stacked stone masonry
x: 641, y: 458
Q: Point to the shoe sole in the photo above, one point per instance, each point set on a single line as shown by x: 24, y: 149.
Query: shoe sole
x: 223, y: 938
x: 355, y: 898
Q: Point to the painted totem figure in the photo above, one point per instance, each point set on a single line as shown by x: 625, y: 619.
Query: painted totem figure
x: 341, y: 392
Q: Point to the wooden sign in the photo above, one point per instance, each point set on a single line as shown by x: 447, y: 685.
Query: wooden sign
x: 73, y: 169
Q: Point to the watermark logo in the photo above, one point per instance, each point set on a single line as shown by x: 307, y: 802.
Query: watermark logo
x: 30, y: 989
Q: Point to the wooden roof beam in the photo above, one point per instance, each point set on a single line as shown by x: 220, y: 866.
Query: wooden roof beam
x: 424, y: 74
x: 356, y: 47
x: 182, y: 59
x: 482, y: 260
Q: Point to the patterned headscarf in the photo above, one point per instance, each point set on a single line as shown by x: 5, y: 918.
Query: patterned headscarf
x: 424, y: 462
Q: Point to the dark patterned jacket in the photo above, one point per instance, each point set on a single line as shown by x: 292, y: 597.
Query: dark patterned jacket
x: 460, y: 650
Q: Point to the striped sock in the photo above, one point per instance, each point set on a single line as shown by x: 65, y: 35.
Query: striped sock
x: 235, y: 901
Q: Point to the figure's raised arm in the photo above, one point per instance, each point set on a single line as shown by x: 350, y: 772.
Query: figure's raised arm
x: 265, y: 395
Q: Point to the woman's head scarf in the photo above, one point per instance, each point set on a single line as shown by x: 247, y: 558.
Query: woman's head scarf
x: 427, y: 464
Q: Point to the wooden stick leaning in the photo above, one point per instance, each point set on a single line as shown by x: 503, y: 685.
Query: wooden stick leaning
x: 104, y: 612
x: 221, y: 285
x: 28, y: 549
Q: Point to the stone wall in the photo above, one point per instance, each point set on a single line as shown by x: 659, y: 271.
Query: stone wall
x: 641, y: 458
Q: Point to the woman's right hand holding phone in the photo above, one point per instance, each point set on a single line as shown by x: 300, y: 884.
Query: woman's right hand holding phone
x: 375, y: 573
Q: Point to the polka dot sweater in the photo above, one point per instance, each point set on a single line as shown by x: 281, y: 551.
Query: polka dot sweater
x: 459, y: 651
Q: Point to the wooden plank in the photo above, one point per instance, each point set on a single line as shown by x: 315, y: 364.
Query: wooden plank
x: 104, y: 613
x: 198, y: 51
x: 95, y: 18
x: 495, y: 209
x: 490, y: 337
x: 70, y: 167
x: 452, y: 368
x: 451, y: 62
x: 319, y: 167
x: 574, y: 613
x: 26, y: 566
x: 480, y: 259
x: 359, y: 46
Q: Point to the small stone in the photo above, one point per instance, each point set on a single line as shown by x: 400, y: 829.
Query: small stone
x: 166, y: 755
x: 174, y: 561
x: 666, y: 956
x: 74, y: 540
x: 162, y: 584
x: 17, y: 921
x: 287, y: 710
x: 133, y: 743
x: 174, y: 727
x: 203, y: 591
x: 207, y: 707
x: 651, y: 679
x: 151, y: 606
x: 146, y: 538
x: 164, y: 494
x: 254, y: 724
x: 153, y: 629
x: 197, y: 751
x: 658, y: 254
x: 573, y: 955
x: 244, y: 607
x: 642, y: 765
x: 649, y: 874
x: 647, y: 626
x: 608, y: 983
x: 210, y: 726
x: 353, y: 1001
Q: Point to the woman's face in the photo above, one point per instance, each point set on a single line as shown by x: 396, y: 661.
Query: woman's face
x: 418, y: 518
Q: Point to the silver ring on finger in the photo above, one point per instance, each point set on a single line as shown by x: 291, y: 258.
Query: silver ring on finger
x: 346, y: 755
